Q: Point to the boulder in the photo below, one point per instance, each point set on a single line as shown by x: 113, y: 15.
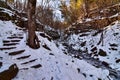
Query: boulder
x: 102, y: 53
x: 53, y: 34
x: 9, y: 73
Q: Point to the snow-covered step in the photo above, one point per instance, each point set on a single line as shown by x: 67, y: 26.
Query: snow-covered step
x: 14, y: 37
x: 24, y: 69
x: 36, y: 66
x: 28, y: 66
x: 6, y: 41
x: 23, y: 57
x: 27, y: 62
x: 15, y: 40
x: 16, y: 52
x: 10, y: 41
x: 7, y: 48
x: 10, y: 44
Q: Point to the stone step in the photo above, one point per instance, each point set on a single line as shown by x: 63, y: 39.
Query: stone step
x: 15, y: 37
x: 10, y: 44
x: 15, y: 40
x: 28, y: 61
x: 10, y: 41
x: 24, y: 69
x: 7, y: 48
x: 36, y: 66
x: 6, y: 41
x: 23, y: 57
x: 16, y: 52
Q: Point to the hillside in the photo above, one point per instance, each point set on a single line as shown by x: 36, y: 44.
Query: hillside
x: 89, y: 54
x: 97, y: 45
x: 48, y: 62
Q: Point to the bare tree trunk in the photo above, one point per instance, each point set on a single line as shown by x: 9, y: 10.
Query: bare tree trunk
x: 33, y: 41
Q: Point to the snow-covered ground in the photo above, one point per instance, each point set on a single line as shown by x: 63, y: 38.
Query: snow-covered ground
x: 53, y: 63
x: 92, y: 42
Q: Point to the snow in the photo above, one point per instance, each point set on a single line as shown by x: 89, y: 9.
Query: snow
x: 57, y: 15
x: 57, y: 66
x: 88, y: 19
x: 111, y: 35
x: 114, y: 15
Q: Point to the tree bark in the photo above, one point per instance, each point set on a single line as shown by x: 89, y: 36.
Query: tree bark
x: 33, y: 40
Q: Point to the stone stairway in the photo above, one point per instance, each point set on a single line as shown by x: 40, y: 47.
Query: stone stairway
x: 23, y: 60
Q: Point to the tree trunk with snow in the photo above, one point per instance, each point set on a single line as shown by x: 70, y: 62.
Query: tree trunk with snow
x: 33, y: 40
